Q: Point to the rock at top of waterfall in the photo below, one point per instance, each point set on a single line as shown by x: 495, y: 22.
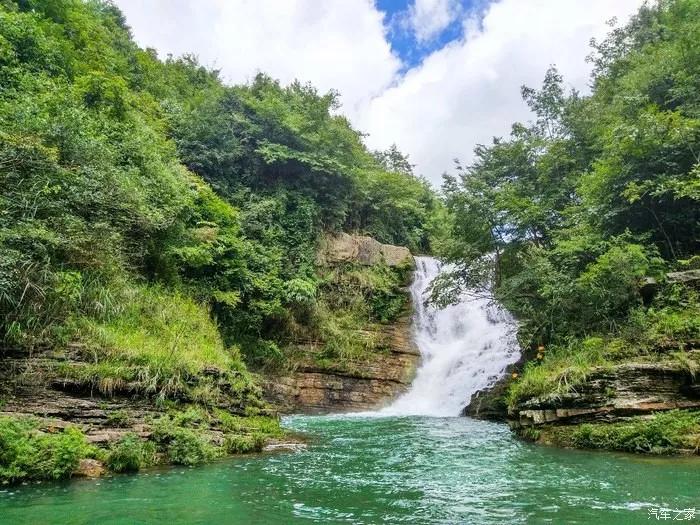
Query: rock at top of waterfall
x: 343, y: 247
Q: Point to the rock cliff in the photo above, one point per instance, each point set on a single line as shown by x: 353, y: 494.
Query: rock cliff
x: 317, y: 385
x: 342, y: 247
x: 348, y: 386
x: 615, y: 393
x: 29, y: 385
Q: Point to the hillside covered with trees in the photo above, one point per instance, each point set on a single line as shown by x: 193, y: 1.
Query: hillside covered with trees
x: 576, y: 218
x: 158, y: 228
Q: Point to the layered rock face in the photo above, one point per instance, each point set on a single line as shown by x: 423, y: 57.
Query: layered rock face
x: 32, y: 385
x: 318, y: 386
x: 29, y: 387
x: 613, y: 394
x: 349, y: 387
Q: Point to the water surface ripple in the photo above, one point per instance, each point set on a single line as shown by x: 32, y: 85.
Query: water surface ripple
x: 379, y: 470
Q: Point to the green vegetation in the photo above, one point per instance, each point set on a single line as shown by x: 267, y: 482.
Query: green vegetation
x: 143, y: 200
x: 159, y: 229
x: 569, y: 217
x: 130, y: 454
x: 662, y: 433
x: 34, y: 450
x: 258, y: 425
x: 353, y: 302
x: 564, y: 368
x: 185, y: 438
x: 160, y: 344
x: 28, y: 453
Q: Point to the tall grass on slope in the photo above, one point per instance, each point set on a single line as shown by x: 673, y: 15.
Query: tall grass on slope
x: 161, y: 343
x: 561, y: 370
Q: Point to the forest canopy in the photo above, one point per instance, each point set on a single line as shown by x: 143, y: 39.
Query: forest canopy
x: 127, y: 178
x: 575, y: 218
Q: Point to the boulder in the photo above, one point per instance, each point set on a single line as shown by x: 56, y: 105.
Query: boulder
x: 689, y: 277
x: 343, y: 247
x: 89, y: 468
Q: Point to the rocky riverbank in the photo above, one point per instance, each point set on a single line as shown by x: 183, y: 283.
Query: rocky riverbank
x: 613, y: 394
x: 644, y: 396
x: 643, y: 407
x: 58, y: 397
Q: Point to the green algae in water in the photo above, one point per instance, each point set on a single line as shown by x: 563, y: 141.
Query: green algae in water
x: 379, y: 470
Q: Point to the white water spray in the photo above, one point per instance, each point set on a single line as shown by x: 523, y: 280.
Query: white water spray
x: 464, y: 348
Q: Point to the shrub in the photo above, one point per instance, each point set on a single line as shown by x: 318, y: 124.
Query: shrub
x: 562, y: 369
x: 27, y: 453
x: 663, y: 433
x: 268, y: 426
x: 243, y: 444
x: 187, y: 447
x: 670, y: 322
x: 182, y: 436
x: 131, y: 454
x: 118, y: 418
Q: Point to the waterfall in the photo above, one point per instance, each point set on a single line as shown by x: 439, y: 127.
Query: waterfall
x: 464, y: 348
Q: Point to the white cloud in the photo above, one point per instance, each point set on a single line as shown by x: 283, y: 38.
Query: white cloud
x: 467, y: 92
x: 335, y: 44
x: 428, y: 18
x: 459, y: 96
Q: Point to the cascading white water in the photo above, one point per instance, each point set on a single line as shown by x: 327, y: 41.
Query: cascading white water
x: 464, y: 348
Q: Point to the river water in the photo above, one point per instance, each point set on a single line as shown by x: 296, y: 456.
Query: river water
x: 379, y: 470
x: 414, y: 462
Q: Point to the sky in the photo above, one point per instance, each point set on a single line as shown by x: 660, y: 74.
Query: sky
x: 435, y: 77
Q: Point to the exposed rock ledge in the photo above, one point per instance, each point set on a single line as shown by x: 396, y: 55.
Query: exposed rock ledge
x: 349, y: 386
x: 613, y: 394
x: 321, y: 386
x: 30, y: 386
x: 343, y: 247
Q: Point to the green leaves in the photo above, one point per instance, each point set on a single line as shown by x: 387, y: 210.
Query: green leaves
x: 577, y: 208
x: 279, y: 153
x: 28, y: 453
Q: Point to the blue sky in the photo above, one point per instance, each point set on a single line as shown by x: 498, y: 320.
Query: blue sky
x: 404, y: 41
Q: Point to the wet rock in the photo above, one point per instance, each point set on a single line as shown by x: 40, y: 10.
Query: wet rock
x: 489, y: 403
x: 284, y: 446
